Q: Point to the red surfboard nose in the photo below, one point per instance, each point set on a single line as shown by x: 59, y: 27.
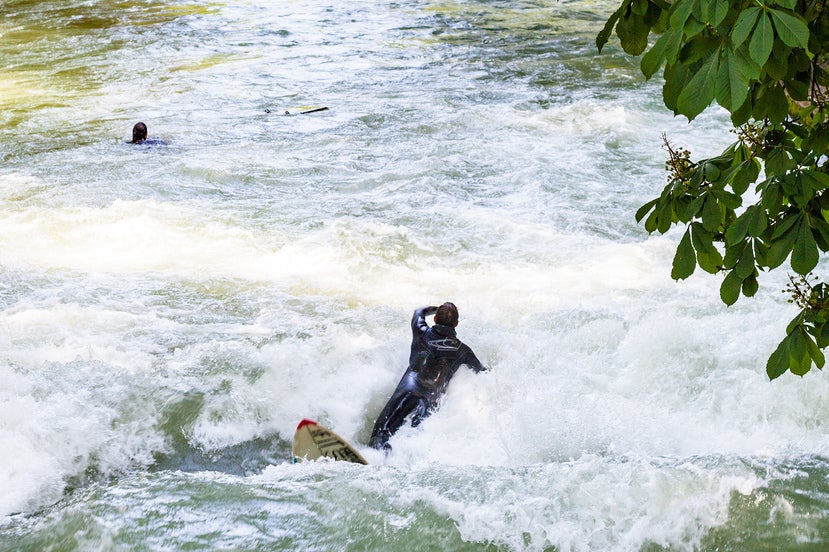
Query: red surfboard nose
x: 305, y: 422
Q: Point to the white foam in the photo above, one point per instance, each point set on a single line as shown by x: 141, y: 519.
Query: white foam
x: 51, y: 429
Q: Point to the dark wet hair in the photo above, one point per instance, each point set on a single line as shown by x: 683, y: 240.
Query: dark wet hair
x: 447, y: 315
x: 139, y: 133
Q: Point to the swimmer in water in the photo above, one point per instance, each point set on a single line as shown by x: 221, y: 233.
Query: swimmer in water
x: 139, y: 136
x: 139, y: 133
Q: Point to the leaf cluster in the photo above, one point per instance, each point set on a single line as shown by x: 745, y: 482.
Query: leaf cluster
x: 764, y: 62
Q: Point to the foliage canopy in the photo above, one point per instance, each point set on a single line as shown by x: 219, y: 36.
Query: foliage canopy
x: 765, y: 199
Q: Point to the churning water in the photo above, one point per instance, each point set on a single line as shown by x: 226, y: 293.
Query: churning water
x: 169, y: 313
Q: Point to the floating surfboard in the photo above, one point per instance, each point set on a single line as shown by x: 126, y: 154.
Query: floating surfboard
x: 302, y: 110
x: 313, y: 441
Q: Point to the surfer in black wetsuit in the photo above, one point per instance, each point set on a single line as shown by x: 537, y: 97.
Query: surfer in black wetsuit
x: 436, y: 355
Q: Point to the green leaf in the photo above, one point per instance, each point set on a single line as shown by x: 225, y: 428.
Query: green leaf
x: 653, y: 58
x: 778, y: 362
x: 685, y: 260
x: 788, y: 181
x: 643, y: 210
x: 750, y: 69
x: 665, y: 217
x: 786, y: 224
x: 633, y: 33
x: 758, y: 221
x: 817, y: 141
x: 745, y: 266
x: 799, y: 193
x: 700, y: 11
x: 604, y: 34
x: 717, y: 11
x: 652, y: 222
x: 761, y: 41
x: 780, y: 248
x: 761, y: 253
x: 748, y: 172
x: 674, y: 45
x: 742, y: 114
x: 797, y: 90
x: 693, y: 27
x: 822, y: 232
x: 676, y: 77
x: 695, y: 52
x: 687, y: 209
x: 738, y: 229
x: 699, y: 93
x: 805, y: 252
x: 795, y: 323
x: 750, y: 285
x: 711, y: 216
x: 791, y: 30
x: 680, y: 12
x: 771, y: 199
x: 778, y: 161
x: 639, y: 7
x: 777, y: 104
x: 666, y: 49
x: 733, y: 253
x: 710, y: 12
x: 708, y: 258
x: 777, y: 66
x: 817, y: 180
x: 790, y: 4
x: 800, y: 361
x: 732, y: 84
x: 742, y: 28
x: 730, y: 288
x: 807, y: 187
x: 729, y: 200
x: 814, y: 351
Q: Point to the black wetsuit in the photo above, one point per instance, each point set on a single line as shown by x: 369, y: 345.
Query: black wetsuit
x: 436, y: 355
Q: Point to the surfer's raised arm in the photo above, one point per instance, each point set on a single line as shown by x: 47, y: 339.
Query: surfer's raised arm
x: 419, y: 324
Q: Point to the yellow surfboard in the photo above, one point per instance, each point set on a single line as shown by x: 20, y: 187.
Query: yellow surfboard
x: 313, y: 441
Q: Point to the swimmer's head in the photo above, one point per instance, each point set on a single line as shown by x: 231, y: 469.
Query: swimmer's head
x: 447, y: 315
x: 139, y: 133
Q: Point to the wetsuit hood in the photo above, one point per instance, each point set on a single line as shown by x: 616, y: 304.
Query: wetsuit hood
x: 446, y: 331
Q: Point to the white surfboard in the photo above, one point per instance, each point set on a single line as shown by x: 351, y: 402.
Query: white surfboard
x: 313, y: 441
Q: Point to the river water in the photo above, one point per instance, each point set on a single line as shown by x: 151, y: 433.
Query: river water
x: 170, y: 312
